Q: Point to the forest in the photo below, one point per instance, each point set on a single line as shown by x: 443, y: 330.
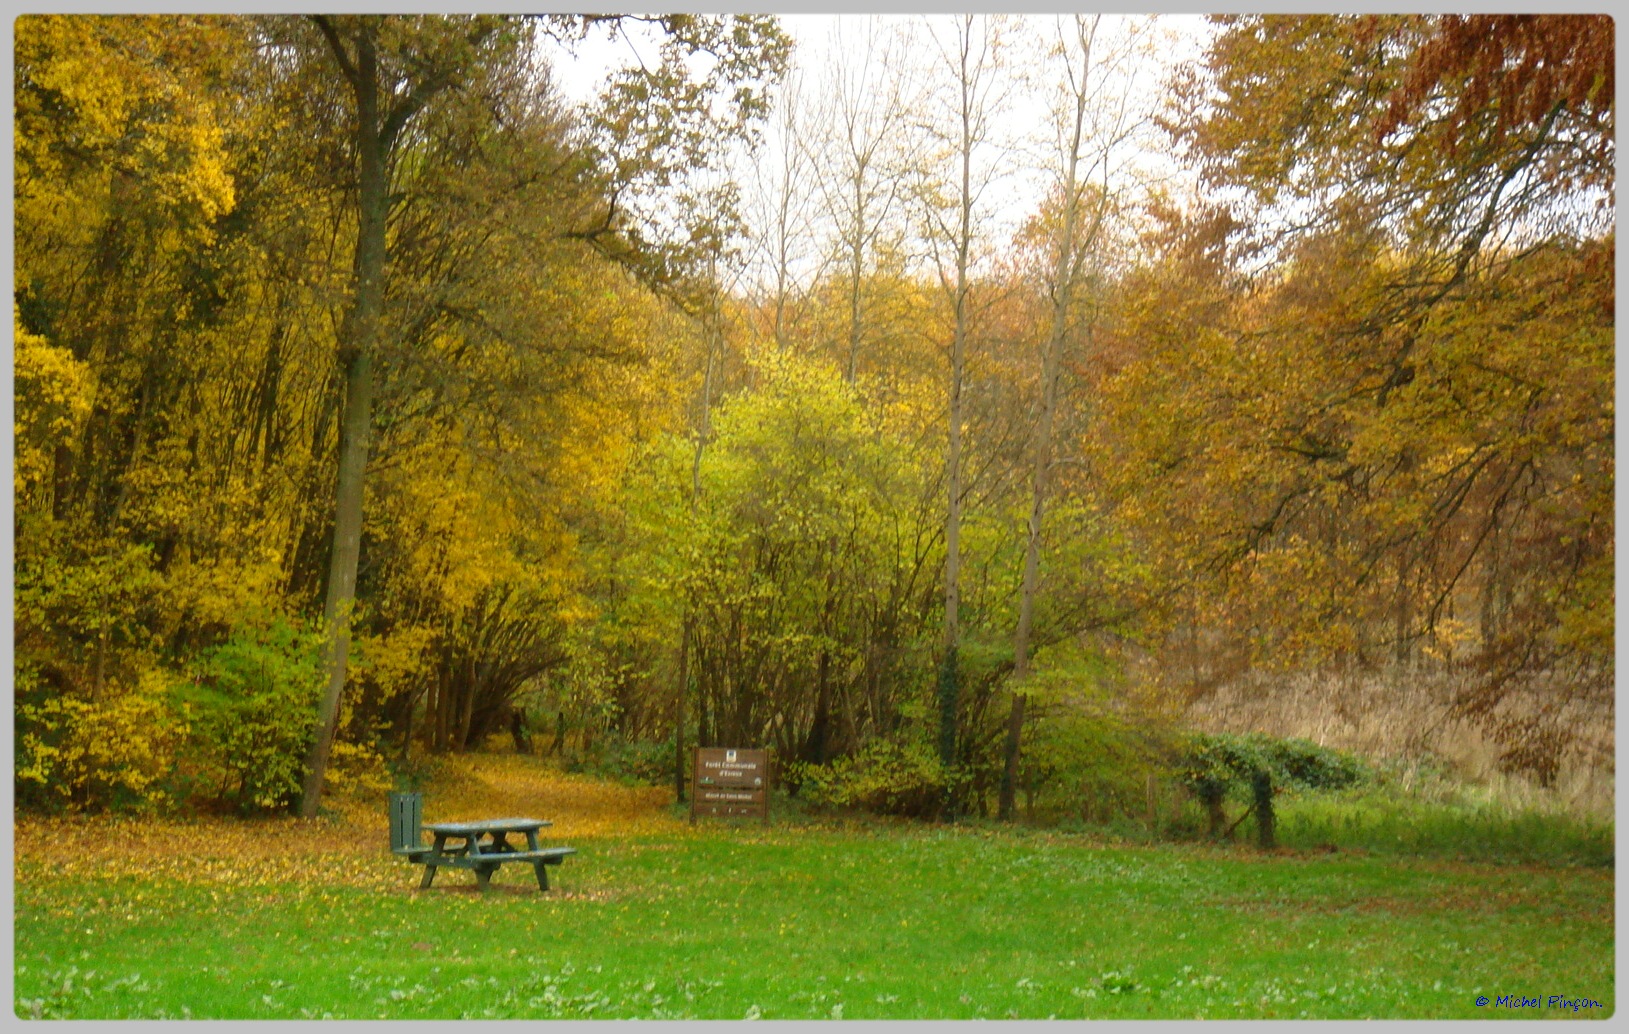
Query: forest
x: 953, y: 405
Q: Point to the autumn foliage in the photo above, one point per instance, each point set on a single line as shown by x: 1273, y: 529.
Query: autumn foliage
x: 1347, y: 405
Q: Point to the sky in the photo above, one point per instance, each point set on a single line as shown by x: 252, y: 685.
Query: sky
x: 1020, y: 149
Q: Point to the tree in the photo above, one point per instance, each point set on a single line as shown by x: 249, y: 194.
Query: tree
x: 1074, y: 236
x: 1340, y: 388
x: 773, y: 544
x: 396, y: 69
x: 867, y: 157
x: 969, y: 57
x: 783, y: 194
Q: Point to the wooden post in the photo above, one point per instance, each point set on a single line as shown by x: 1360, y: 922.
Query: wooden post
x: 1262, y: 788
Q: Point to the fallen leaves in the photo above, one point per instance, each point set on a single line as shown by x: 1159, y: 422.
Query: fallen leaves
x: 349, y: 847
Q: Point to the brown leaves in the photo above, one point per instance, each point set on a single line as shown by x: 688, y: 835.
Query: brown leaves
x: 351, y: 849
x: 1520, y: 67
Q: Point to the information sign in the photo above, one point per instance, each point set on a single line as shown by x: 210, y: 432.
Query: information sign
x: 730, y: 781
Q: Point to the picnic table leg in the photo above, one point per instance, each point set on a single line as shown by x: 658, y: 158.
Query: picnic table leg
x: 429, y: 864
x: 483, y: 877
x: 542, y: 874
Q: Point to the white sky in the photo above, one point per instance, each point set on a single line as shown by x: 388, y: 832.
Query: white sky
x: 1017, y: 155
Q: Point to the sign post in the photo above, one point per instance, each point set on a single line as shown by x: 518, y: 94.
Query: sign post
x: 730, y: 781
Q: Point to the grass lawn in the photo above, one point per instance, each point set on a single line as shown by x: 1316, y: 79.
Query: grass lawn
x: 655, y: 919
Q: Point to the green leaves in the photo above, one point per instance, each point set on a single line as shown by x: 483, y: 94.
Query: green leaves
x: 252, y: 705
x: 884, y: 777
x: 1213, y: 764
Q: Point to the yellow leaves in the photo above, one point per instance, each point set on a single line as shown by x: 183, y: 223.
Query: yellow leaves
x: 219, y: 590
x: 470, y: 785
x: 99, y: 93
x: 1451, y: 637
x: 303, y: 856
x: 75, y: 748
x: 393, y: 659
x: 54, y: 392
x: 357, y: 770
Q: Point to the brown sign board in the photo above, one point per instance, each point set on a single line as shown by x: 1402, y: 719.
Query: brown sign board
x: 729, y: 781
x: 722, y: 766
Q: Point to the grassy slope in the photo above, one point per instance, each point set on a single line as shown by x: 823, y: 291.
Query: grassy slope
x: 656, y: 919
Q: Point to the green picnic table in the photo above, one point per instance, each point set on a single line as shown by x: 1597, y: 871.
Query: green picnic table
x: 481, y: 846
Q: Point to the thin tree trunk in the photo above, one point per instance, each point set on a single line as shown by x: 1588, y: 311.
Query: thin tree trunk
x: 519, y: 731
x: 856, y: 278
x: 407, y: 728
x: 703, y: 431
x: 1063, y: 289
x: 357, y: 333
x: 678, y: 709
x: 950, y: 669
x: 466, y: 711
x: 783, y: 274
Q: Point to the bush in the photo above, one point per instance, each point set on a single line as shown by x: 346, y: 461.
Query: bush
x: 649, y: 762
x: 112, y: 752
x: 1093, y: 762
x: 1255, y: 766
x: 1226, y: 763
x: 252, y: 708
x: 883, y: 777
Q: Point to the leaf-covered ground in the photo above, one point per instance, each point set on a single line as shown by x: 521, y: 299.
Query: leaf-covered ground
x: 655, y: 918
x: 346, y: 848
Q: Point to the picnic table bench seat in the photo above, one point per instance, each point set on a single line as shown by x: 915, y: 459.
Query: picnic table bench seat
x: 485, y: 863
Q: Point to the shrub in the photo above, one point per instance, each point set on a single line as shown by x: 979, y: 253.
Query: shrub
x: 252, y: 706
x: 112, y: 752
x: 627, y: 761
x: 884, y: 777
x: 1093, y: 761
x: 1253, y: 765
x: 1228, y: 762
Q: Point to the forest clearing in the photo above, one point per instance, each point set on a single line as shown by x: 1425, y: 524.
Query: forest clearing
x: 1147, y: 482
x: 809, y: 918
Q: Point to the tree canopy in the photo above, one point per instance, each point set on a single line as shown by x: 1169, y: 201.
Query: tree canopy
x: 377, y: 393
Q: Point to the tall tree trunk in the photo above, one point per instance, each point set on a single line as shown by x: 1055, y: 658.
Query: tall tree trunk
x: 687, y: 633
x: 950, y: 668
x: 1065, y: 266
x: 679, y: 701
x: 466, y: 714
x: 407, y: 726
x: 519, y: 730
x: 856, y: 281
x: 357, y: 338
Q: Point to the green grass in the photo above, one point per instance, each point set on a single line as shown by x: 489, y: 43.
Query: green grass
x: 796, y: 923
x: 1399, y: 824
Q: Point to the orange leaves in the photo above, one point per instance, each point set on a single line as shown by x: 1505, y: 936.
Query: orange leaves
x: 469, y: 786
x: 296, y: 856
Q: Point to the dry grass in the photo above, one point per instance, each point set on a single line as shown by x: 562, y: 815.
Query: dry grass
x: 1403, y: 715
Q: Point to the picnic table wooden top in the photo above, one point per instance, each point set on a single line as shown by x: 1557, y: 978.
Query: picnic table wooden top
x: 487, y: 826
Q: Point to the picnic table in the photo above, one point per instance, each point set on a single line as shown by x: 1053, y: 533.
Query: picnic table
x: 483, y: 846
